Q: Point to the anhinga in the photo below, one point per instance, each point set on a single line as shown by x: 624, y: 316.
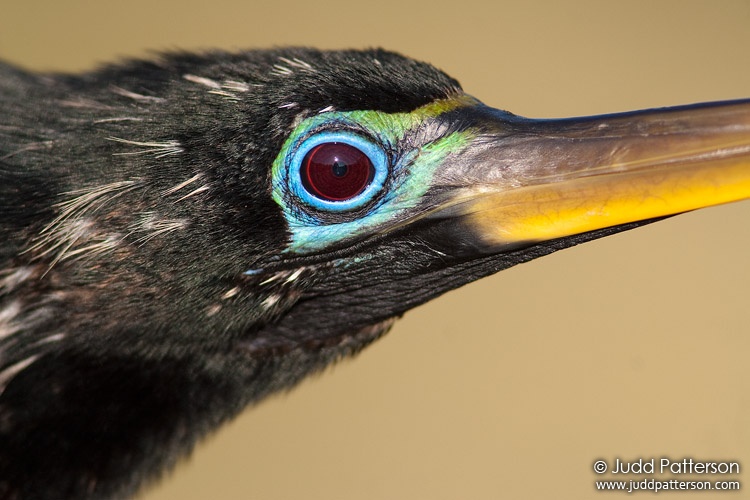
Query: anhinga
x: 185, y: 236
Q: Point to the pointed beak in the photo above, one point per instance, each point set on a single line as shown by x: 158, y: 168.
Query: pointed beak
x: 522, y: 181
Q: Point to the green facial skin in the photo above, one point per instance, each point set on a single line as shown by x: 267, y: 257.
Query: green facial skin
x: 410, y: 173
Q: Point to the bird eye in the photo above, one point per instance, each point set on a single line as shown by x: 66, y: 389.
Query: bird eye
x: 337, y: 171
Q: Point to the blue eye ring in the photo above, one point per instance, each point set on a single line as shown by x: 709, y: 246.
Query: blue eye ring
x: 368, y: 147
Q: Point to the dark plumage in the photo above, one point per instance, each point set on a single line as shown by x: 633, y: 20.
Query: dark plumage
x: 143, y: 370
x: 148, y: 293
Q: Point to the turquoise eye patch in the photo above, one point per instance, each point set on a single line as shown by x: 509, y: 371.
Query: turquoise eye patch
x: 397, y: 183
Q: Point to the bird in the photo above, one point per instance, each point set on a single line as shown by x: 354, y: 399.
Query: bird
x: 185, y: 235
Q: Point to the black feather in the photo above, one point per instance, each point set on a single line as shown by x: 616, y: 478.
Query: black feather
x: 132, y: 201
x: 116, y: 347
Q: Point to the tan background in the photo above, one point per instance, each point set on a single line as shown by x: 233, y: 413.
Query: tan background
x: 633, y: 346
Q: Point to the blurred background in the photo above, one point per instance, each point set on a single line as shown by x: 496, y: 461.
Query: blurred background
x: 633, y: 346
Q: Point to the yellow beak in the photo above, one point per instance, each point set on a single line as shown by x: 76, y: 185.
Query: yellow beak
x: 536, y: 180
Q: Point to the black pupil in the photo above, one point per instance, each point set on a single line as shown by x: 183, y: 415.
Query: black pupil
x: 335, y: 171
x: 339, y: 169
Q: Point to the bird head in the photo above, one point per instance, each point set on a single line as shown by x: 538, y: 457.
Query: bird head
x: 187, y: 235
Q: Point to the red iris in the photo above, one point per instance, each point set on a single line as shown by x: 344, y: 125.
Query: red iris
x: 335, y: 171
